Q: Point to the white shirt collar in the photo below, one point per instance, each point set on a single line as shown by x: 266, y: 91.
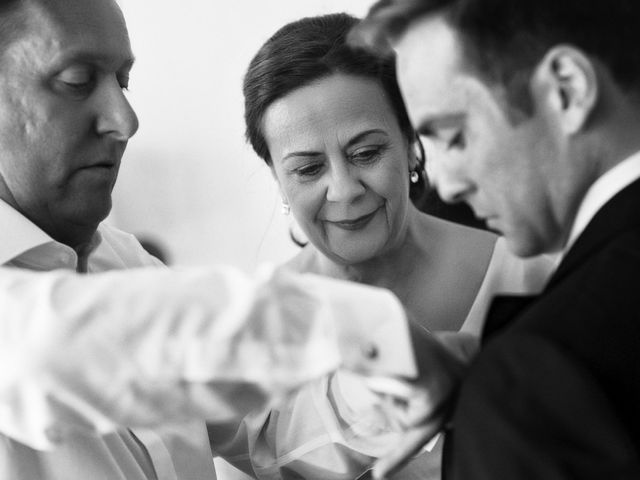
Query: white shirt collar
x: 603, y: 190
x: 22, y: 238
x: 18, y: 235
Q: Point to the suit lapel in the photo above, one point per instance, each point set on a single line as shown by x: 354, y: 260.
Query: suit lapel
x: 618, y: 215
x: 503, y: 309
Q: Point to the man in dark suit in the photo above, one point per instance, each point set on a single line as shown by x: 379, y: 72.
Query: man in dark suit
x: 531, y: 113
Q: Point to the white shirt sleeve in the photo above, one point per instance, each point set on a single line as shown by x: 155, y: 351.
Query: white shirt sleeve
x: 153, y: 346
x: 314, y: 434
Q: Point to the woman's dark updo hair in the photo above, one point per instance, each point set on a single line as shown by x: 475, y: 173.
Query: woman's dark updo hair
x: 313, y: 48
x: 303, y: 52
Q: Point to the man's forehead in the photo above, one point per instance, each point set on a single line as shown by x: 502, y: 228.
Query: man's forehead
x: 429, y: 47
x: 76, y: 12
x: 428, y: 62
x: 82, y: 28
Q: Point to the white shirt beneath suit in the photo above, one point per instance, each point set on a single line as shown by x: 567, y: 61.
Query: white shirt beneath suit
x: 600, y: 192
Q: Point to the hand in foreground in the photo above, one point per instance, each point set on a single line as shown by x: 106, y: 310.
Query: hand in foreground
x: 422, y: 407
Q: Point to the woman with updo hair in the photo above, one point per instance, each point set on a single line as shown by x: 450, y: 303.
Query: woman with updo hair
x: 329, y: 121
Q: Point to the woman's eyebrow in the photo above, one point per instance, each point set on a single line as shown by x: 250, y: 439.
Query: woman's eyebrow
x: 301, y: 153
x: 360, y: 136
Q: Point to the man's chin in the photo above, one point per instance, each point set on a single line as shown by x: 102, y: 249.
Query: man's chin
x: 523, y: 247
x: 88, y: 215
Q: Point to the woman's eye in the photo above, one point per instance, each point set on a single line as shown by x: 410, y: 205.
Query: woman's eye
x: 366, y: 155
x: 308, y: 170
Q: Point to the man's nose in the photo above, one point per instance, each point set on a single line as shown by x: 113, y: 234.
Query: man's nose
x: 343, y: 184
x: 115, y: 116
x: 451, y: 185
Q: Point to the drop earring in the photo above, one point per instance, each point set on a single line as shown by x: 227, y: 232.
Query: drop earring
x: 414, y: 176
x: 286, y: 209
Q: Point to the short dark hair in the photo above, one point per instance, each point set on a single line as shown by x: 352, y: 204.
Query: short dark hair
x: 302, y: 52
x: 505, y: 39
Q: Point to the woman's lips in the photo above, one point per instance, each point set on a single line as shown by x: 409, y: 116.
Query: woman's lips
x: 356, y: 223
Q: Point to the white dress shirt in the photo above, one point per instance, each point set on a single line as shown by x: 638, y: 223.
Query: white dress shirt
x: 152, y: 348
x: 603, y: 190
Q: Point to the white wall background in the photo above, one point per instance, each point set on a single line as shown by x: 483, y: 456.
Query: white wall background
x: 188, y: 179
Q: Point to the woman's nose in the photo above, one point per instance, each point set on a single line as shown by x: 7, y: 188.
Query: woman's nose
x: 343, y: 185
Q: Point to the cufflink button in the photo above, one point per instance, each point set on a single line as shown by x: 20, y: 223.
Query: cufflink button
x: 371, y: 351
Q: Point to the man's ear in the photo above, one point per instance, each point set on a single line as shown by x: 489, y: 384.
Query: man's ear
x: 565, y: 84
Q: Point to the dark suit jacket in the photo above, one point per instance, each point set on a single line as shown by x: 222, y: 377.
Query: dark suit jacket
x: 555, y: 390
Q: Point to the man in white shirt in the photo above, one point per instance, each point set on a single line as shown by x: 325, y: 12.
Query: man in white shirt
x: 89, y: 364
x: 531, y: 112
x: 161, y: 349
